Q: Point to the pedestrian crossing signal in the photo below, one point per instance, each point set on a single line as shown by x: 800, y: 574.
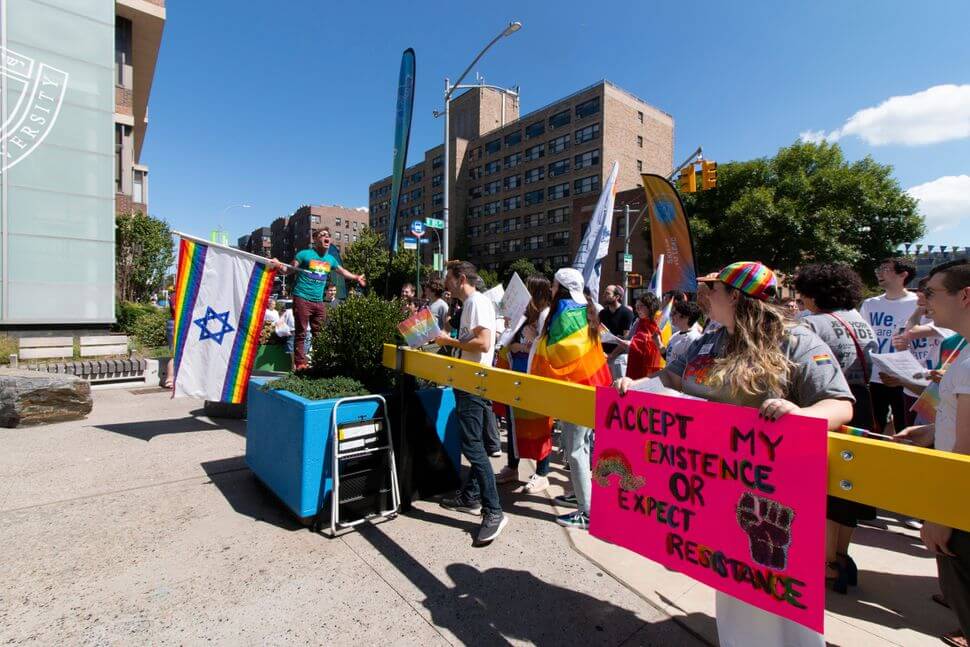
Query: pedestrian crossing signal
x: 634, y: 280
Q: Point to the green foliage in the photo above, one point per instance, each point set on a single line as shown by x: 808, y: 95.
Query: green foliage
x: 352, y: 341
x: 489, y: 278
x: 522, y: 266
x: 368, y: 256
x: 806, y: 204
x: 149, y: 329
x: 127, y: 313
x: 143, y: 253
x: 8, y: 346
x: 324, y: 388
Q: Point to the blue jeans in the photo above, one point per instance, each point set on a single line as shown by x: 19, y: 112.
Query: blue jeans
x: 577, y: 443
x: 472, y: 412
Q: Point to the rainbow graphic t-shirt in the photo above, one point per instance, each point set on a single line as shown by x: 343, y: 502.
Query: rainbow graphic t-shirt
x: 311, y: 284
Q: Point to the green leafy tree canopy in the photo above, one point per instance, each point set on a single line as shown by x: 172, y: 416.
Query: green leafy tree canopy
x: 807, y: 204
x: 144, y: 251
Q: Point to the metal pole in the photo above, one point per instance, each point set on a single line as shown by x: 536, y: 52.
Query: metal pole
x: 626, y: 252
x: 447, y: 204
x: 417, y: 286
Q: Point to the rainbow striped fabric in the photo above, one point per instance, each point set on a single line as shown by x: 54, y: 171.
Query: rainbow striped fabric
x: 218, y: 307
x: 568, y: 353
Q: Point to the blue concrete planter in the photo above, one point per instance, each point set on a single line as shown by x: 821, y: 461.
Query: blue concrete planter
x: 288, y: 443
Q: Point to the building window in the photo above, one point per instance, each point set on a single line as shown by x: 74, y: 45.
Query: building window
x: 640, y: 166
x: 415, y: 195
x: 536, y: 129
x: 493, y: 167
x: 558, y: 238
x: 587, y: 108
x: 475, y: 212
x: 558, y: 168
x: 589, y: 133
x: 512, y: 139
x: 585, y: 160
x: 314, y: 220
x: 475, y: 173
x: 558, y: 191
x: 417, y: 177
x: 338, y: 222
x: 475, y: 153
x: 559, y: 144
x: 437, y: 180
x: 640, y: 115
x: 586, y: 184
x: 513, y: 160
x: 492, y: 188
x: 559, y: 215
x: 559, y: 119
x: 534, y: 153
x: 122, y: 50
x: 513, y: 182
x: 533, y: 197
x: 533, y: 242
x: 437, y: 199
x: 640, y: 141
x: 493, y: 146
x: 437, y: 161
x: 515, y: 245
x: 512, y: 203
x: 532, y: 220
x: 475, y: 231
x: 511, y: 224
x: 138, y: 192
x: 492, y: 208
x: 119, y: 150
x: 475, y: 192
x: 534, y: 175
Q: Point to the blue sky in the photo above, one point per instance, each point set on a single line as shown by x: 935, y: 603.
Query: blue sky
x: 283, y: 108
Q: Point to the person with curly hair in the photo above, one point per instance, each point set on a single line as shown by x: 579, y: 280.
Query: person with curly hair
x: 829, y: 291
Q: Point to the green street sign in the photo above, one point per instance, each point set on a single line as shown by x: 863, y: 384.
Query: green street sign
x: 434, y: 223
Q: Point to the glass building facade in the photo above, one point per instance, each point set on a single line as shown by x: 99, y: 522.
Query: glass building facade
x: 57, y: 180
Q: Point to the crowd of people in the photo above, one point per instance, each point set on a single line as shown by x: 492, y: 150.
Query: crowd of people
x: 736, y: 340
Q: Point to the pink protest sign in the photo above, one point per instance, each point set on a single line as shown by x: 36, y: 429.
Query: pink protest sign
x: 715, y: 492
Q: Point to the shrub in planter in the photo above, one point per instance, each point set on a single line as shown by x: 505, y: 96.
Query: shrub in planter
x: 127, y: 314
x: 149, y: 329
x: 352, y: 341
x: 324, y: 388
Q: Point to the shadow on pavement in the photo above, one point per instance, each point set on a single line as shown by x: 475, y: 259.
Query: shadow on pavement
x: 196, y: 422
x: 497, y: 605
x: 247, y: 495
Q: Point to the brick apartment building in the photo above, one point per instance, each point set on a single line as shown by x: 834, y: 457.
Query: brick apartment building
x: 138, y: 36
x: 524, y: 187
x: 288, y: 235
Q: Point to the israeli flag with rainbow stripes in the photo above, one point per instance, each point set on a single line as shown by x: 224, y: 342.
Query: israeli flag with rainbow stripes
x: 218, y: 309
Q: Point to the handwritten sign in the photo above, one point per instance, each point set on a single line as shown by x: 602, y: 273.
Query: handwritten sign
x: 420, y: 328
x: 715, y: 492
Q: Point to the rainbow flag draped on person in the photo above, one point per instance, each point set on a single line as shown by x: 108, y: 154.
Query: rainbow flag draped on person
x: 532, y: 431
x: 218, y: 305
x: 568, y: 353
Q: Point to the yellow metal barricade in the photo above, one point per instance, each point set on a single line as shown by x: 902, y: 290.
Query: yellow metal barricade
x: 922, y: 483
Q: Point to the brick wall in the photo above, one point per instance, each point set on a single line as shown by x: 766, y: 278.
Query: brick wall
x: 123, y: 100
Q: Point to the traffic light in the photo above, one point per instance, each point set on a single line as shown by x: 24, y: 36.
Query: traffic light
x: 634, y: 280
x: 708, y: 175
x: 688, y: 181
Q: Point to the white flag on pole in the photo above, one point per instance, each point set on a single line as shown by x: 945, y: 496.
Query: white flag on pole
x: 596, y: 243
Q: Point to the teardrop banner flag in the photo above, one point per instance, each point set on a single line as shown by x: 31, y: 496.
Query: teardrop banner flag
x: 670, y: 234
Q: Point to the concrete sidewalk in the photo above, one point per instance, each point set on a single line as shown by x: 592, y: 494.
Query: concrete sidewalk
x: 142, y: 525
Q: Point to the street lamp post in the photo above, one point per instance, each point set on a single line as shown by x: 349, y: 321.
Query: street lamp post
x: 449, y: 89
x: 227, y: 209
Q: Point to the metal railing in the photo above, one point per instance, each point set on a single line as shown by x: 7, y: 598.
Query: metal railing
x: 922, y: 483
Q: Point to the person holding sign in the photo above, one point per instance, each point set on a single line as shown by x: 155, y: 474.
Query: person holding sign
x: 948, y: 303
x: 758, y: 358
x: 830, y: 291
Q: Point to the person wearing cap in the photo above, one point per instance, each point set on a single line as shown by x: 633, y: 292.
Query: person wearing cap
x: 704, y: 301
x: 758, y: 358
x: 569, y: 349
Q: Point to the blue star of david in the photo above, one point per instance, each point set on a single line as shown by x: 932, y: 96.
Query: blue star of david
x: 212, y: 315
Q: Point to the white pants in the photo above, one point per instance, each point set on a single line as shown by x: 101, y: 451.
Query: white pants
x: 741, y: 625
x: 618, y: 366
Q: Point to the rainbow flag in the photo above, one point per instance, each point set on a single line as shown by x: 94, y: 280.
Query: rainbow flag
x: 532, y: 431
x: 567, y: 352
x: 219, y: 305
x: 420, y: 328
x: 929, y: 400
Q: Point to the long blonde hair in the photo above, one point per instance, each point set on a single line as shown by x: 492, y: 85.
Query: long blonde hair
x: 753, y: 362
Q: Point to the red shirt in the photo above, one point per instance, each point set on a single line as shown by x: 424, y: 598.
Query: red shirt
x: 644, y: 356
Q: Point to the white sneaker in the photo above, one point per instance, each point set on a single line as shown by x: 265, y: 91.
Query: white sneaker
x: 536, y: 484
x: 507, y: 475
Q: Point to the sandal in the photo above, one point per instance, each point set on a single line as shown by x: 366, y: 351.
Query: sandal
x: 954, y: 638
x: 851, y: 570
x: 940, y: 600
x: 839, y: 581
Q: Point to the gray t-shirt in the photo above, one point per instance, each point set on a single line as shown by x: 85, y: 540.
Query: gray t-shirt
x: 439, y: 309
x: 815, y: 375
x: 834, y: 334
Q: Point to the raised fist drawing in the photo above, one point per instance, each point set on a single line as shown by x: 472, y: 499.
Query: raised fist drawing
x: 768, y: 526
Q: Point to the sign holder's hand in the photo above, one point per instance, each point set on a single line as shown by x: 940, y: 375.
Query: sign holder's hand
x: 774, y: 408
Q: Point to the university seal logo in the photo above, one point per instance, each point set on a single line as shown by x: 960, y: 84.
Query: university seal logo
x: 35, y: 93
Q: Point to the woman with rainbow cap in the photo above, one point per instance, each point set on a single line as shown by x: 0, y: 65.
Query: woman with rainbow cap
x: 758, y: 358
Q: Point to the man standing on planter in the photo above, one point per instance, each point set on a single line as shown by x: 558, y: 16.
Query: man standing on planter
x: 312, y: 266
x: 475, y: 343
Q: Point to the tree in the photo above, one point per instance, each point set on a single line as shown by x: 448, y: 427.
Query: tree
x: 521, y: 266
x: 806, y: 204
x: 143, y: 253
x: 369, y: 256
x: 489, y: 278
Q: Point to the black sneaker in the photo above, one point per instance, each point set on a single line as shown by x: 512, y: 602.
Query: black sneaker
x: 566, y: 501
x: 492, y: 525
x: 459, y: 503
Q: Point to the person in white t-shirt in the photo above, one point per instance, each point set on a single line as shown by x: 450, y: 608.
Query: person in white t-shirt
x: 475, y: 343
x: 948, y: 303
x: 887, y: 315
x: 683, y: 316
x: 271, y: 316
x: 922, y: 336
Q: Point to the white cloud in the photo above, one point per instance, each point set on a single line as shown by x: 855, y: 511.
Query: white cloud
x: 938, y: 114
x: 945, y: 202
x: 364, y: 209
